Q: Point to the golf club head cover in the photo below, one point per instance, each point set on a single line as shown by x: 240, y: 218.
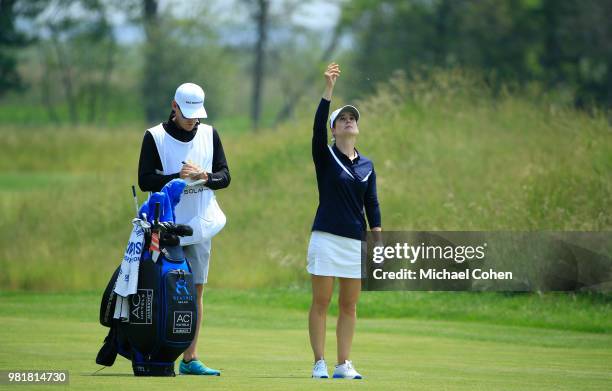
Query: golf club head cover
x: 168, y: 198
x: 168, y: 240
x: 175, y: 229
x: 183, y: 230
x: 165, y: 208
x: 174, y: 190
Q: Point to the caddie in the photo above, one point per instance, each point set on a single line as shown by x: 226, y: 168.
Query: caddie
x: 183, y: 147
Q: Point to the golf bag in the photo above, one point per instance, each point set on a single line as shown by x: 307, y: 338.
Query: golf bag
x: 162, y: 313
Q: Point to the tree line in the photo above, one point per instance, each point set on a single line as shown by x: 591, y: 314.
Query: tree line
x: 67, y: 56
x: 558, y: 43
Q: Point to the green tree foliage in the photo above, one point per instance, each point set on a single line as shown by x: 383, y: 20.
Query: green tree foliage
x: 562, y: 43
x: 78, y: 49
x: 179, y: 50
x: 12, y: 39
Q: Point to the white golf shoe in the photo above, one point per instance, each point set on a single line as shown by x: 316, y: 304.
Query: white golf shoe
x: 346, y: 371
x: 320, y: 370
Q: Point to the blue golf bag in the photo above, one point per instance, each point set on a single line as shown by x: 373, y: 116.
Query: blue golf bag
x: 162, y: 313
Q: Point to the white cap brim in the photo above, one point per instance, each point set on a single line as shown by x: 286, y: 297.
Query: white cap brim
x: 200, y: 112
x: 347, y: 108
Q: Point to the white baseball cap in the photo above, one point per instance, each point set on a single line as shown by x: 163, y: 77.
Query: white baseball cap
x: 336, y: 113
x: 190, y: 99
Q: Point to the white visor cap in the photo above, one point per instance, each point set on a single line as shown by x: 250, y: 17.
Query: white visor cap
x: 343, y: 109
x: 190, y: 99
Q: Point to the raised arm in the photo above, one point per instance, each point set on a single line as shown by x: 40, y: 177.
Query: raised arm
x: 319, y: 135
x: 331, y: 75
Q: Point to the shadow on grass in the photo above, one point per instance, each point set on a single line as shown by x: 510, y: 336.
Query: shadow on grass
x: 107, y: 374
x: 279, y: 377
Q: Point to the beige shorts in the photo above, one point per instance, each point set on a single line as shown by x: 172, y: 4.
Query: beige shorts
x: 198, y: 256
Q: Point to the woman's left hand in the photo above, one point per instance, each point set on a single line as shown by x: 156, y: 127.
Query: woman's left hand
x: 200, y: 175
x: 192, y: 171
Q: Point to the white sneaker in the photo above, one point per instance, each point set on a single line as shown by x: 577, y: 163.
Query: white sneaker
x: 346, y: 371
x: 320, y: 370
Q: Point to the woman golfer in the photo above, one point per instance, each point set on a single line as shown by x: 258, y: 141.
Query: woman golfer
x: 347, y: 185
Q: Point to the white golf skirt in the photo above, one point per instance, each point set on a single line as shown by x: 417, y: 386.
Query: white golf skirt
x: 333, y: 255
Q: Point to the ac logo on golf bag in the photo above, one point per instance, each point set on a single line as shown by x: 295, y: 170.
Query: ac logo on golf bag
x: 182, y: 322
x: 142, y: 307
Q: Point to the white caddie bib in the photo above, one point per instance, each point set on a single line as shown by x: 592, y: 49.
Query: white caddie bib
x: 198, y: 206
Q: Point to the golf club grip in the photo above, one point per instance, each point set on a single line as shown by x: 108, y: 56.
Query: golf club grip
x: 156, y: 216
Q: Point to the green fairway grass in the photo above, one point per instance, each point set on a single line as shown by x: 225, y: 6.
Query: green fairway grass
x: 261, y: 343
x: 450, y: 154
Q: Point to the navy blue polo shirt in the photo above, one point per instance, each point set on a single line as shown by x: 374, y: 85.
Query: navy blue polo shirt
x: 347, y: 189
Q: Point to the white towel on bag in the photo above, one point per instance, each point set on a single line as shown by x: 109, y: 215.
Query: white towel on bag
x: 127, y: 279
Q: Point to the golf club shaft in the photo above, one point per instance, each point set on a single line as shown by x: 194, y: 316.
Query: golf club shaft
x: 135, y: 199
